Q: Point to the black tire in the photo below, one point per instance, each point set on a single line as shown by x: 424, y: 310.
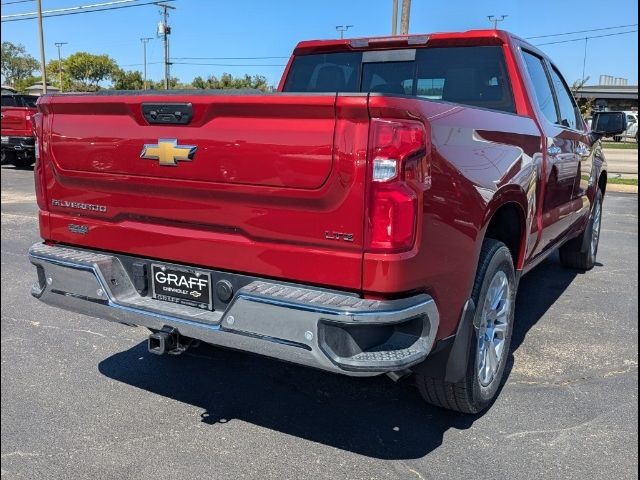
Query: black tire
x: 470, y: 395
x: 22, y: 163
x: 8, y: 157
x: 580, y: 253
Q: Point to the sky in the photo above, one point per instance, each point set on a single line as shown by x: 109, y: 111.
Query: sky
x: 271, y: 28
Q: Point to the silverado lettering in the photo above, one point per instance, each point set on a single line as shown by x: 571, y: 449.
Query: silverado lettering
x: 457, y: 162
x: 78, y: 205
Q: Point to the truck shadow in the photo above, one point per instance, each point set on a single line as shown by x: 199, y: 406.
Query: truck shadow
x: 537, y: 292
x: 13, y: 167
x: 371, y: 417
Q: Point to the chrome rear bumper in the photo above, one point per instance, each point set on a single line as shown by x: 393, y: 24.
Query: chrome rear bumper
x: 330, y: 331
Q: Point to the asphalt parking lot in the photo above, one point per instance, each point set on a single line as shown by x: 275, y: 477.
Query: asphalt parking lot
x: 82, y: 398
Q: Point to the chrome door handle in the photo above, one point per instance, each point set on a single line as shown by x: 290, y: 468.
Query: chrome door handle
x: 554, y: 150
x: 583, y: 151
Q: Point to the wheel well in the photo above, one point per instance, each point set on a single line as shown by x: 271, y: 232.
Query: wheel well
x: 602, y: 182
x: 507, y: 226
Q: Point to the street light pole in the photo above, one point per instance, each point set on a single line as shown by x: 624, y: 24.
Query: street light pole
x: 59, y: 44
x: 41, y: 37
x: 144, y: 49
x: 342, y: 29
x: 496, y: 19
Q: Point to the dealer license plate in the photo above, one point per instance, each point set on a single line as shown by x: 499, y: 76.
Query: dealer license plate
x: 186, y: 286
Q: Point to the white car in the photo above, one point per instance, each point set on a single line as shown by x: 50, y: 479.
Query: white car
x: 632, y: 128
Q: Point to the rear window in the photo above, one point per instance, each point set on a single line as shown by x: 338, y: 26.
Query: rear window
x: 19, y: 100
x: 8, y: 101
x: 475, y: 76
x: 29, y: 100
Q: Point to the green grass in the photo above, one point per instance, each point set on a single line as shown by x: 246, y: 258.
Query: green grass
x: 620, y: 145
x: 622, y: 181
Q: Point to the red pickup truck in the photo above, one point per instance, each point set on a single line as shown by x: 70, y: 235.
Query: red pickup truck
x: 372, y: 217
x: 18, y: 141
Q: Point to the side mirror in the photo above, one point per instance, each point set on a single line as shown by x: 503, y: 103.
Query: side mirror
x: 608, y: 124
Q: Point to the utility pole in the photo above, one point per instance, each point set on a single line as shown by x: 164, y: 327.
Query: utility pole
x: 404, y: 19
x: 144, y: 49
x: 495, y: 19
x: 394, y: 17
x: 41, y: 36
x: 59, y: 44
x: 165, y: 30
x: 342, y: 29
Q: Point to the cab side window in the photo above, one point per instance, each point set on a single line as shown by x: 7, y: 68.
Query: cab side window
x: 569, y: 112
x: 541, y: 85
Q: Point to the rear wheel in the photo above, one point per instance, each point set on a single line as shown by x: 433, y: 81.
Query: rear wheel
x: 494, y: 294
x: 7, y: 157
x: 22, y: 162
x: 581, y: 252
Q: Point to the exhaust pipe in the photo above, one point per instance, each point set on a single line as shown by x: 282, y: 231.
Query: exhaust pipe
x: 169, y: 341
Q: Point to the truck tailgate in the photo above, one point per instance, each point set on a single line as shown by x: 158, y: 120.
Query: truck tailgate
x: 17, y: 120
x: 258, y: 184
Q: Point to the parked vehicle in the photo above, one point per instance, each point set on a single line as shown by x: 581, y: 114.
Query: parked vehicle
x: 632, y: 128
x: 18, y: 140
x: 372, y: 217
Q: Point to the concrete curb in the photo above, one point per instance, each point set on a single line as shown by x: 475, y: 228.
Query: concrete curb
x: 614, y: 187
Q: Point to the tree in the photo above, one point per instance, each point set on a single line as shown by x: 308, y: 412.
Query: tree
x: 16, y: 63
x: 53, y: 75
x: 129, y: 80
x: 585, y: 104
x: 26, y: 82
x: 159, y: 85
x: 199, y: 82
x: 86, y: 70
x: 228, y: 81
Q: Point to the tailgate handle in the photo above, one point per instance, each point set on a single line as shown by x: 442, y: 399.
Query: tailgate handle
x: 167, y: 113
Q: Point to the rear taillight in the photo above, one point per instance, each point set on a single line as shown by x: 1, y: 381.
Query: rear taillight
x: 398, y: 173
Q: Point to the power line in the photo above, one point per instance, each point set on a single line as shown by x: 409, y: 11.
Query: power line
x: 17, y: 1
x: 67, y: 9
x: 586, y: 38
x: 140, y: 64
x: 9, y: 18
x: 582, y: 31
x: 230, y: 64
x: 228, y: 58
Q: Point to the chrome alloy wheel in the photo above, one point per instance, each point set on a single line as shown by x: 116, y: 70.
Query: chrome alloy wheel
x: 595, y: 228
x: 493, y: 328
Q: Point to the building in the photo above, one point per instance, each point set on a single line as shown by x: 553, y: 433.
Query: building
x: 37, y: 89
x: 613, y: 96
